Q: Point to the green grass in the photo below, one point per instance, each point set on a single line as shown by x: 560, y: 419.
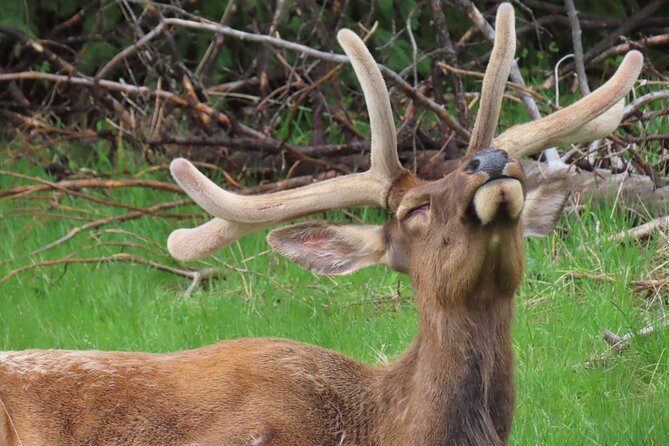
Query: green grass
x: 559, y: 320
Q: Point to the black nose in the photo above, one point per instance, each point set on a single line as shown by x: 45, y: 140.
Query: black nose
x: 490, y: 161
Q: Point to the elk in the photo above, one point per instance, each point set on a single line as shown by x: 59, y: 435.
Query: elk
x: 461, y: 241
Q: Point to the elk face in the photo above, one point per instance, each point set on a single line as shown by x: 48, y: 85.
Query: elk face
x: 453, y: 227
x: 485, y: 191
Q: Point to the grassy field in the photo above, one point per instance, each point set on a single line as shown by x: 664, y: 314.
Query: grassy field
x: 368, y: 315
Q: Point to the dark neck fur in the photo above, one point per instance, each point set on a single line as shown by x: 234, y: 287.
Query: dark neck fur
x: 454, y: 385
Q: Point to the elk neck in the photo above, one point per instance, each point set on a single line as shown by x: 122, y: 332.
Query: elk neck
x: 456, y: 380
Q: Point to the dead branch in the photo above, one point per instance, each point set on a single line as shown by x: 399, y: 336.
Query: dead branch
x: 237, y: 34
x: 578, y: 47
x: 632, y: 107
x: 619, y: 344
x: 196, y: 277
x: 444, y: 40
x: 628, y: 25
x: 658, y: 40
x: 218, y: 116
x: 653, y: 284
x: 113, y: 219
x: 123, y: 244
x: 489, y: 33
x: 600, y: 185
x: 141, y: 43
x: 207, y: 62
x: 69, y: 69
x: 76, y: 185
x: 121, y: 257
x: 589, y: 276
x: 518, y: 87
x: 643, y: 231
x: 330, y: 57
x: 22, y: 192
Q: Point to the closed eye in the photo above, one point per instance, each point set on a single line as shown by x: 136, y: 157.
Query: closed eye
x: 419, y: 210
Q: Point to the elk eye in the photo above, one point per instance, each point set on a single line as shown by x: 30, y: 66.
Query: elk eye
x: 419, y: 210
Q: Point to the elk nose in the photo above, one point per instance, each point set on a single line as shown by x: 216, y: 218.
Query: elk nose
x: 490, y: 161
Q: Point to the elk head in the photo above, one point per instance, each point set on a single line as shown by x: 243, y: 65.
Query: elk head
x: 452, y: 227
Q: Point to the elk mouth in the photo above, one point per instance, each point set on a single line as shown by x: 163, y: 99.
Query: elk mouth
x: 500, y: 198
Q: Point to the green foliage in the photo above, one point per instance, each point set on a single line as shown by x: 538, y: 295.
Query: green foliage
x: 95, y: 55
x: 18, y: 14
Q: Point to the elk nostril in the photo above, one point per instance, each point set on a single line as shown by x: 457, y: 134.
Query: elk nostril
x: 473, y: 165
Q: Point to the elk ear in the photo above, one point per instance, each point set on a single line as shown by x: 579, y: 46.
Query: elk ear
x: 328, y: 248
x: 543, y: 205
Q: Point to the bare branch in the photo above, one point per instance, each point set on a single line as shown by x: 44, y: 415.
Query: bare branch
x: 306, y: 51
x: 659, y: 40
x: 632, y: 107
x: 578, y: 46
x: 221, y: 117
x: 627, y: 25
x: 620, y: 343
x: 107, y: 220
x: 74, y: 185
x: 121, y: 257
x: 643, y: 231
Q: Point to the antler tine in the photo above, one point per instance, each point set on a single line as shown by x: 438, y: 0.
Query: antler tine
x: 202, y: 241
x: 591, y: 117
x: 495, y: 78
x: 240, y: 215
x: 384, y: 159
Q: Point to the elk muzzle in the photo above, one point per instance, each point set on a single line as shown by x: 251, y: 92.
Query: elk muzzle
x: 501, y: 192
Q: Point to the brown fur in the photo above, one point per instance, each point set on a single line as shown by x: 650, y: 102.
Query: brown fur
x: 454, y: 384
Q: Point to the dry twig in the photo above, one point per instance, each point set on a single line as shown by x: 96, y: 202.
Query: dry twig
x: 578, y: 47
x: 619, y: 343
x: 643, y: 231
x: 113, y: 219
x: 196, y: 277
